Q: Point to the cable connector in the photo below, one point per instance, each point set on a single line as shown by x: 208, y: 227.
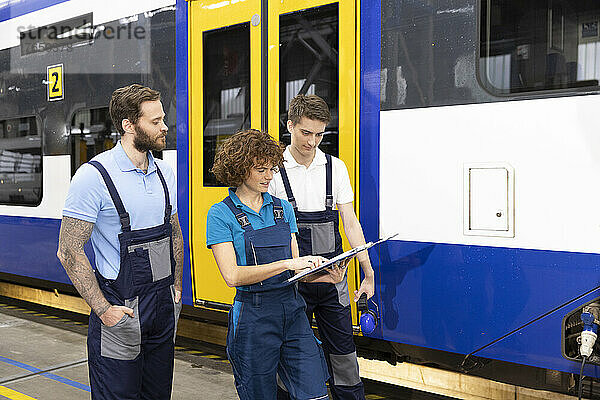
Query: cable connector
x: 588, y: 336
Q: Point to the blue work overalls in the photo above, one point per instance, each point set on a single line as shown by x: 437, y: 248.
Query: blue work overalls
x: 319, y: 234
x: 268, y: 331
x: 134, y: 358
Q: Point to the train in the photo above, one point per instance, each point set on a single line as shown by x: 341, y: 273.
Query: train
x: 469, y: 129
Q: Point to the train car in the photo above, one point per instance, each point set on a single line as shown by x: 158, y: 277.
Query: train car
x: 468, y: 128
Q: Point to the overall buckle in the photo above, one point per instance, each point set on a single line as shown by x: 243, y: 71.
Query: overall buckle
x: 278, y: 213
x: 329, y: 201
x: 125, y: 222
x: 243, y: 220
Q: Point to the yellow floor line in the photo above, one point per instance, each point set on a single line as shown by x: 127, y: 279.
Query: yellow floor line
x: 39, y: 314
x: 11, y: 394
x: 29, y: 312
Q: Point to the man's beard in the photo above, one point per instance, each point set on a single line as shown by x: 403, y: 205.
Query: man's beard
x: 143, y: 142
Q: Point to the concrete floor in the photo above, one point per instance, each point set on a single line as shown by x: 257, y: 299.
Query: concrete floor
x: 30, y: 342
x: 43, y: 357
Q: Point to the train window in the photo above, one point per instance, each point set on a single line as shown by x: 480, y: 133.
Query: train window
x: 539, y: 45
x: 20, y: 162
x: 308, y: 64
x: 92, y: 132
x: 226, y: 89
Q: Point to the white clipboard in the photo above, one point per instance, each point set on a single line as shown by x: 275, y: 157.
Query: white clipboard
x: 342, y: 258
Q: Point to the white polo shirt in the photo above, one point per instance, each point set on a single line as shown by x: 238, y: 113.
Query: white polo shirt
x: 308, y: 184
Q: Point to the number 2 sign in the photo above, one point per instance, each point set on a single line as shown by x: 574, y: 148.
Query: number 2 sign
x: 54, y: 78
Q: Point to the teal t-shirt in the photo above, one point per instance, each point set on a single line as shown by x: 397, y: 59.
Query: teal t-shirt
x: 222, y: 226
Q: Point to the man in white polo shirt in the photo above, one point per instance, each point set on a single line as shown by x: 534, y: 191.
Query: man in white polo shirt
x: 318, y: 187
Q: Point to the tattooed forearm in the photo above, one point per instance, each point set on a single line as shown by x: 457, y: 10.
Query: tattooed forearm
x: 177, y: 238
x: 74, y: 233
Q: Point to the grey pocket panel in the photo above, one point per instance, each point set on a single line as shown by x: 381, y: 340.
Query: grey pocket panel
x: 159, y: 253
x: 122, y: 341
x: 343, y: 294
x: 345, y: 369
x: 322, y: 236
x: 176, y: 310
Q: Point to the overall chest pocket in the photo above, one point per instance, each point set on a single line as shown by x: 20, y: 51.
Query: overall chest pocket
x: 319, y: 237
x: 151, y: 261
x: 262, y: 254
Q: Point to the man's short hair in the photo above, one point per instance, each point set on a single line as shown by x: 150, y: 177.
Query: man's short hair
x: 309, y: 106
x: 126, y: 103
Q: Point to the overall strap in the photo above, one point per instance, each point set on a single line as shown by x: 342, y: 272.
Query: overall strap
x: 241, y: 216
x: 277, y: 210
x: 328, y: 183
x: 114, y: 195
x: 168, y: 206
x: 288, y: 188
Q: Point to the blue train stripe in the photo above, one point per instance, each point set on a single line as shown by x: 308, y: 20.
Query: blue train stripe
x: 458, y: 298
x: 181, y: 60
x: 48, y: 375
x: 16, y: 8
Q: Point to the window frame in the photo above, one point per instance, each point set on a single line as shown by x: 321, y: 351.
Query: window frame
x: 526, y: 94
x: 71, y: 116
x: 42, y: 136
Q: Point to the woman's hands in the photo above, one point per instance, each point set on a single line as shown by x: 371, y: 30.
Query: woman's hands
x: 306, y: 262
x: 334, y: 274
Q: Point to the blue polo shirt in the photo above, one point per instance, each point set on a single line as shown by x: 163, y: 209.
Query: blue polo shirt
x: 142, y: 195
x: 222, y: 226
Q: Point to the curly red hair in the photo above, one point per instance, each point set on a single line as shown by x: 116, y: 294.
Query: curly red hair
x: 242, y: 151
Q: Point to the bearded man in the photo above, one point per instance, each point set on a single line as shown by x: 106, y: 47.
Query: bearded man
x: 125, y: 201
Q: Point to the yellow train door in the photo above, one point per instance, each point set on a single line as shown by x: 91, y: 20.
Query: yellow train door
x: 224, y: 97
x: 311, y: 48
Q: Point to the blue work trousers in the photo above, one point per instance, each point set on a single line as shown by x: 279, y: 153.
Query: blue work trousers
x: 269, y: 334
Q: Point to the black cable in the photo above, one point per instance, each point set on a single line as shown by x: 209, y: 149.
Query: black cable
x: 581, y: 378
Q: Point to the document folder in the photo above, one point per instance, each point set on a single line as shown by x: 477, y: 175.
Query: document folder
x: 338, y: 260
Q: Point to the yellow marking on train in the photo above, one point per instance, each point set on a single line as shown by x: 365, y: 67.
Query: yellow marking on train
x: 13, y: 395
x: 54, y: 78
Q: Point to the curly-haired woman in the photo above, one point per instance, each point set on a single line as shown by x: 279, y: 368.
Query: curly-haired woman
x: 252, y: 237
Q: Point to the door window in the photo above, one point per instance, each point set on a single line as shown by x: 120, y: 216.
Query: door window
x: 308, y: 64
x: 226, y: 89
